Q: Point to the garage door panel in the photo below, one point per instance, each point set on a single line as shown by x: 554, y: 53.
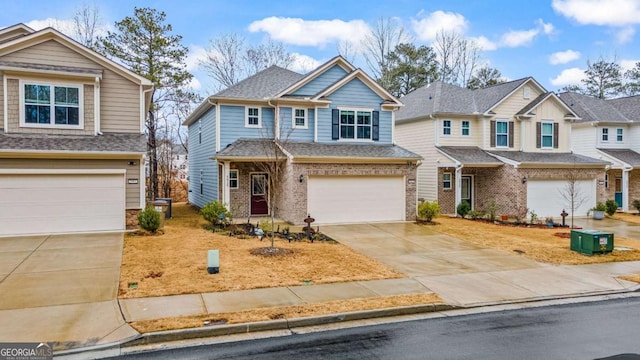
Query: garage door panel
x: 46, y: 203
x: 545, y: 197
x: 348, y: 199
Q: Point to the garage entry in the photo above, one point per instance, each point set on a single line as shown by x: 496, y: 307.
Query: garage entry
x: 59, y: 202
x: 545, y: 197
x: 353, y: 199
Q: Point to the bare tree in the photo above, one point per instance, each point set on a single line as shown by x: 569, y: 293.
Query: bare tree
x: 572, y: 193
x: 346, y: 49
x: 224, y: 59
x: 379, y: 43
x: 458, y: 57
x: 86, y: 23
x: 262, y: 56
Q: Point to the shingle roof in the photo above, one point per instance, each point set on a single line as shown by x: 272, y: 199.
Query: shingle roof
x: 23, y: 65
x: 341, y: 150
x: 592, y: 109
x: 109, y: 142
x: 548, y: 158
x: 258, y: 149
x: 267, y: 83
x: 628, y: 106
x: 533, y: 103
x: 489, y: 96
x: 470, y: 155
x: 627, y: 156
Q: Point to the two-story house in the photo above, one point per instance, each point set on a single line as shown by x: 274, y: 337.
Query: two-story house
x: 332, y: 132
x: 72, y: 141
x: 507, y: 144
x: 609, y: 130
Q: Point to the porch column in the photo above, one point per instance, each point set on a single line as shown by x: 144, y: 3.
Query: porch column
x: 625, y: 189
x: 458, y: 185
x: 226, y: 194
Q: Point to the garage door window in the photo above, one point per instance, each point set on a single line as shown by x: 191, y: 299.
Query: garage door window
x: 47, y: 105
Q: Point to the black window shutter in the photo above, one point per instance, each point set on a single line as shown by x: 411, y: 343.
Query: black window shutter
x: 555, y: 135
x: 375, y: 130
x: 335, y: 124
x: 493, y: 133
x: 538, y: 139
x: 511, y: 133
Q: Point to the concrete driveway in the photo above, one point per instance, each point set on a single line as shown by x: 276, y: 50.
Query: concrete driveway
x: 61, y: 288
x: 617, y: 227
x: 465, y: 274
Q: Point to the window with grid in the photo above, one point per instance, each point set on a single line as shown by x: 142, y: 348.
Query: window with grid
x: 51, y: 105
x: 465, y: 128
x: 446, y: 127
x: 355, y: 124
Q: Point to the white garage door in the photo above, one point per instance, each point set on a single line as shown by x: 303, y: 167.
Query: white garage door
x: 545, y: 197
x: 352, y: 199
x: 58, y: 203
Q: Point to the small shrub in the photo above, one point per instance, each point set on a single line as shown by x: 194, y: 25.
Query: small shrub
x: 476, y: 214
x: 149, y: 219
x: 211, y: 212
x: 636, y: 204
x: 600, y: 207
x: 463, y: 208
x: 492, y: 209
x: 534, y: 217
x: 265, y: 225
x: 428, y: 210
x: 612, y: 207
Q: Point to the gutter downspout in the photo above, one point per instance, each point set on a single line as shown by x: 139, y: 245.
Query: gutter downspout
x: 276, y: 119
x: 458, y: 178
x: 96, y: 106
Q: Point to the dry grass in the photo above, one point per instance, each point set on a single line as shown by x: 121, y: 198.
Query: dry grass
x: 286, y: 312
x: 635, y: 278
x: 538, y: 244
x: 628, y: 217
x: 176, y: 261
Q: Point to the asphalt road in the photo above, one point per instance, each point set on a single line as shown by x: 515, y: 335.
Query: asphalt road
x: 607, y: 329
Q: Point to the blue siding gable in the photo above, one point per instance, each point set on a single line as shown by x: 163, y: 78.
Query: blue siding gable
x: 355, y: 94
x: 297, y: 134
x: 202, y: 147
x: 323, y: 81
x: 232, y: 124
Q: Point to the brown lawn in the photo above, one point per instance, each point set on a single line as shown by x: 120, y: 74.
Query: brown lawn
x: 538, y: 244
x: 285, y: 312
x: 635, y: 278
x: 628, y: 217
x: 176, y: 261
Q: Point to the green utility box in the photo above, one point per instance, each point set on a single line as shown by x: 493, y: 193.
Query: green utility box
x: 591, y: 241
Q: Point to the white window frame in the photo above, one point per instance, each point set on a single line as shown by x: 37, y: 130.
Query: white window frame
x: 235, y: 178
x: 246, y: 117
x: 526, y: 93
x: 619, y: 135
x: 445, y: 181
x: 446, y: 127
x: 605, y: 135
x: 355, y: 124
x: 506, y: 134
x: 52, y: 85
x: 463, y: 128
x: 543, y: 135
x: 305, y: 118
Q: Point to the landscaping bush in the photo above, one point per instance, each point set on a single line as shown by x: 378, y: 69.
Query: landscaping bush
x: 149, y: 219
x: 211, y: 212
x: 463, y: 208
x: 428, y: 210
x: 612, y: 207
x: 636, y: 204
x: 476, y: 214
x: 492, y: 209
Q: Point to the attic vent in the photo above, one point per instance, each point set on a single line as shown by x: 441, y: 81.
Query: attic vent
x: 526, y: 93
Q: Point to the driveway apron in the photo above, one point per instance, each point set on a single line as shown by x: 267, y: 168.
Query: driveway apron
x: 61, y: 288
x: 465, y: 274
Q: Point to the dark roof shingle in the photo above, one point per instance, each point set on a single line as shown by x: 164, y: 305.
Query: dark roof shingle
x: 341, y: 150
x: 267, y: 83
x: 591, y: 109
x: 548, y: 158
x: 470, y: 155
x: 625, y: 155
x: 109, y: 142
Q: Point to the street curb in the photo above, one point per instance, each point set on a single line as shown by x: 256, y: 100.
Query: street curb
x: 281, y: 324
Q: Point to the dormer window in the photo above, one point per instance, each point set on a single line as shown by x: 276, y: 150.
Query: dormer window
x: 51, y: 105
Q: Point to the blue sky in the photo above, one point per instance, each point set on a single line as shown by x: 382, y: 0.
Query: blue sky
x: 550, y: 40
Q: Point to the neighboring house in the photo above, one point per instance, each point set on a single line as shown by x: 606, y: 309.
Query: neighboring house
x: 610, y: 130
x: 180, y: 162
x: 333, y: 131
x: 72, y: 140
x: 508, y: 143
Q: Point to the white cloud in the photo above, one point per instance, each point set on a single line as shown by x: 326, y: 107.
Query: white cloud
x: 625, y: 34
x: 571, y: 76
x: 303, y: 63
x: 547, y: 28
x: 298, y: 31
x: 600, y: 12
x: 563, y: 57
x: 628, y: 64
x: 65, y: 26
x: 428, y: 27
x: 196, y: 55
x: 484, y: 43
x: 194, y: 84
x: 518, y: 37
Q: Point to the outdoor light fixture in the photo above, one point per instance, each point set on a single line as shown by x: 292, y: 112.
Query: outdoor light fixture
x: 301, y: 178
x: 524, y: 179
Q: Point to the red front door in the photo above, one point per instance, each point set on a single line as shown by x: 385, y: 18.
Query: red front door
x: 259, y: 194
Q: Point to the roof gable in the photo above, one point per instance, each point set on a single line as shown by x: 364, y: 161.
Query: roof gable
x: 15, y: 31
x: 338, y: 60
x: 264, y: 84
x: 370, y: 83
x: 490, y: 97
x: 549, y: 96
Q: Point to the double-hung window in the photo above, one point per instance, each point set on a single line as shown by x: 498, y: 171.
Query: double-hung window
x: 619, y: 136
x: 52, y: 105
x: 355, y: 124
x: 446, y: 127
x: 502, y: 133
x: 252, y: 117
x: 605, y: 134
x: 465, y: 128
x: 446, y: 181
x: 233, y: 179
x: 546, y: 135
x: 299, y: 118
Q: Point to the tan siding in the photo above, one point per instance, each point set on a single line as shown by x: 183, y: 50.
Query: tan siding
x: 517, y: 131
x: 456, y: 138
x: 119, y: 104
x: 1, y: 100
x: 51, y: 52
x: 133, y: 172
x: 417, y: 137
x: 548, y: 110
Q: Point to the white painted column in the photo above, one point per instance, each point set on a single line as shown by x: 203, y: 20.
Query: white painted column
x: 625, y: 189
x: 226, y: 193
x: 458, y: 185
